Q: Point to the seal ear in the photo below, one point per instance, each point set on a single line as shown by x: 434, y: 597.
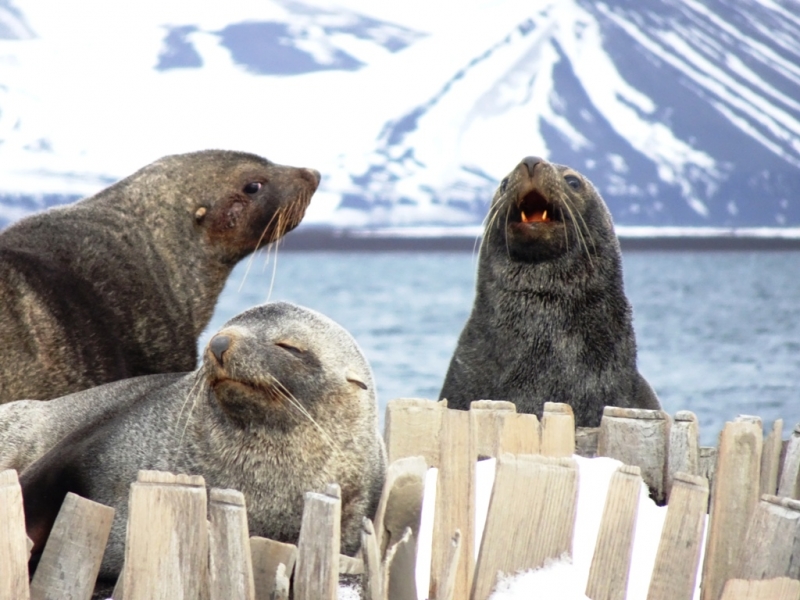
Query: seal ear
x: 200, y: 214
x: 353, y: 378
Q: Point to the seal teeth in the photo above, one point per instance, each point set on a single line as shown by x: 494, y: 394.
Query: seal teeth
x: 524, y: 217
x: 544, y: 215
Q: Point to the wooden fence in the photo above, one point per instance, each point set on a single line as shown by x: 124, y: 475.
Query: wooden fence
x: 186, y: 542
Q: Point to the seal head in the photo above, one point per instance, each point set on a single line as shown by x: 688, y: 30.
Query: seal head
x: 284, y: 403
x: 550, y: 321
x: 123, y: 283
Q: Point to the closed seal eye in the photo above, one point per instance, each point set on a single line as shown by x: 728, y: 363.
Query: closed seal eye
x: 291, y: 349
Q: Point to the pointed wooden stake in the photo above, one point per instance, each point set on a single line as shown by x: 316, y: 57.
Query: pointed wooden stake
x: 412, y: 429
x: 675, y: 571
x: 788, y: 486
x: 770, y: 458
x: 488, y: 422
x: 684, y: 444
x: 13, y: 540
x: 637, y: 437
x: 516, y: 539
x: 266, y: 556
x: 166, y: 553
x: 316, y: 574
x: 782, y: 588
x: 608, y: 575
x: 734, y: 498
x: 372, y: 583
x: 455, y: 501
x: 558, y: 430
x: 71, y: 559
x: 773, y: 538
x: 230, y: 562
x: 447, y: 580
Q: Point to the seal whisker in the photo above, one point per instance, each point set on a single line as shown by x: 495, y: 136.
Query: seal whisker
x: 578, y: 232
x: 582, y: 228
x: 258, y: 244
x: 285, y: 393
x: 195, y: 393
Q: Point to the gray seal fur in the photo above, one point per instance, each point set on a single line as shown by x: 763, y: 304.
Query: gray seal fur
x: 284, y: 403
x: 123, y: 283
x: 550, y: 321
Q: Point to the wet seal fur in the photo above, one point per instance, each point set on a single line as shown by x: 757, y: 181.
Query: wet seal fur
x: 550, y: 321
x: 284, y: 403
x: 123, y: 283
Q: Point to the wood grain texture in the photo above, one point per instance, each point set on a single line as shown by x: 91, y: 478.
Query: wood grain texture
x: 638, y: 437
x: 166, y: 550
x: 787, y: 486
x: 412, y: 429
x: 772, y: 545
x: 530, y: 519
x: 447, y: 586
x: 316, y: 573
x: 230, y: 561
x: 678, y: 557
x: 71, y: 559
x: 772, y: 589
x: 608, y: 574
x: 455, y: 500
x: 398, y: 569
x: 770, y: 458
x: 558, y: 430
x: 372, y: 583
x: 13, y: 540
x: 733, y: 500
x: 400, y: 505
x: 266, y: 555
x: 684, y: 446
x: 520, y: 435
x: 488, y: 422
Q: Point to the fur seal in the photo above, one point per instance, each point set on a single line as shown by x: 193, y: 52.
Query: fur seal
x: 283, y: 403
x: 550, y: 321
x: 123, y: 283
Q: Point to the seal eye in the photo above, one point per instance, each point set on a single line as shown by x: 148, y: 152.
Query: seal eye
x: 252, y: 187
x: 503, y: 185
x: 292, y: 349
x: 573, y: 182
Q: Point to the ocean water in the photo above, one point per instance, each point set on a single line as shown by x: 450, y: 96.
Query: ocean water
x: 718, y: 332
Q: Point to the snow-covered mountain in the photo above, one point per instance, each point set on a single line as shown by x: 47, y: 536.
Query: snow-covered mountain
x: 682, y: 112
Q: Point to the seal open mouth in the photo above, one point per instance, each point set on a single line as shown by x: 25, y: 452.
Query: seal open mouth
x: 535, y: 208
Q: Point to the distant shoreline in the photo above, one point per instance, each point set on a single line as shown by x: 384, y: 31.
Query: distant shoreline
x: 466, y: 239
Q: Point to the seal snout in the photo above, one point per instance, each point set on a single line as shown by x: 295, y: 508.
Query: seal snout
x: 218, y: 345
x: 530, y: 162
x: 312, y: 176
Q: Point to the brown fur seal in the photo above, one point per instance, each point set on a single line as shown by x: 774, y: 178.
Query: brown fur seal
x: 550, y: 322
x: 283, y: 403
x: 122, y: 284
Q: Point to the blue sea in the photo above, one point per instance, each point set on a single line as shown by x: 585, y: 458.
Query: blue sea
x: 718, y: 332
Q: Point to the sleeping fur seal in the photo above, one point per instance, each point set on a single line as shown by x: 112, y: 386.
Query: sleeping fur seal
x: 283, y: 403
x: 550, y: 322
x: 122, y: 284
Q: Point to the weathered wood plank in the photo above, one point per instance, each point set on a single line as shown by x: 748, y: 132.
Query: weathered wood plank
x: 166, y: 552
x: 266, y: 555
x: 637, y: 437
x: 684, y: 445
x: 230, y: 562
x: 772, y: 545
x: 488, y: 421
x: 733, y: 500
x: 13, y: 540
x: 770, y: 458
x: 447, y: 587
x: 608, y: 575
x: 707, y: 465
x: 788, y: 486
x: 412, y: 429
x: 372, y: 584
x: 782, y: 588
x: 71, y: 559
x: 316, y: 575
x: 520, y: 435
x: 675, y: 571
x: 558, y: 430
x: 455, y: 500
x: 400, y: 505
x: 397, y: 571
x: 514, y: 539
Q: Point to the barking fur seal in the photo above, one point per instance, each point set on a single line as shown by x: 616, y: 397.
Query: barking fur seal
x: 284, y: 403
x: 550, y: 320
x: 122, y: 284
